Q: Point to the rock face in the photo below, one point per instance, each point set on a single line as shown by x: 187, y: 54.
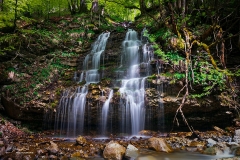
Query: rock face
x: 159, y: 144
x: 201, y: 114
x: 114, y: 150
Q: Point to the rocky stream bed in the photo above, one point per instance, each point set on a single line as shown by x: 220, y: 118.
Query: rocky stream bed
x: 17, y: 144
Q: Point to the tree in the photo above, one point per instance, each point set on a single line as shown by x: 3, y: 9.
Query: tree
x: 1, y: 5
x: 77, y: 6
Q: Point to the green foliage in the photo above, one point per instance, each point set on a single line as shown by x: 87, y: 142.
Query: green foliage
x: 205, y: 75
x: 152, y: 76
x: 178, y: 76
x: 67, y: 54
x: 120, y: 29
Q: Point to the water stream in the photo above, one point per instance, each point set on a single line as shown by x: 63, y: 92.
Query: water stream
x: 136, y: 57
x: 91, y: 62
x: 135, y: 67
x: 104, y: 115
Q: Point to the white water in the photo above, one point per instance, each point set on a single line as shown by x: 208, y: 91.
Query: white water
x: 91, y: 62
x: 104, y: 115
x: 70, y: 113
x: 132, y: 91
x: 134, y: 69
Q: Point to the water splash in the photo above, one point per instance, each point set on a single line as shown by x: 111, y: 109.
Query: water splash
x: 105, y: 109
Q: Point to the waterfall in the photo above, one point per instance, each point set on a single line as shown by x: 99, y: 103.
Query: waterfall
x: 105, y: 112
x: 91, y: 62
x: 160, y: 94
x: 132, y: 105
x: 75, y: 112
x: 70, y: 115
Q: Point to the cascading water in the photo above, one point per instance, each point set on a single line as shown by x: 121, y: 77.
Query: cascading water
x: 160, y: 94
x: 104, y: 115
x: 73, y: 115
x: 132, y: 104
x: 70, y: 116
x: 91, y: 62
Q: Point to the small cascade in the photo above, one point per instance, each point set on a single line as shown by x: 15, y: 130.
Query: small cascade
x: 91, y: 62
x: 160, y: 94
x: 105, y: 109
x: 70, y: 113
x: 70, y: 116
x: 78, y: 113
x: 132, y: 104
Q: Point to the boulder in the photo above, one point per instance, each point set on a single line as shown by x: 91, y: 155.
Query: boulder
x: 53, y: 149
x: 131, y: 152
x: 159, y: 144
x: 81, y: 141
x: 114, y: 150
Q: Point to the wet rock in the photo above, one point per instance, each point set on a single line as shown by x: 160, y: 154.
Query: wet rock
x: 159, y: 144
x: 9, y: 148
x: 76, y: 154
x: 210, y: 151
x: 53, y: 149
x: 81, y: 141
x: 147, y: 132
x: 40, y: 152
x: 237, y: 136
x: 191, y: 149
x: 2, y: 151
x: 1, y: 143
x: 27, y: 157
x: 114, y: 150
x: 237, y: 151
x: 52, y: 157
x: 131, y: 152
x: 211, y: 142
x: 197, y: 144
x: 18, y: 155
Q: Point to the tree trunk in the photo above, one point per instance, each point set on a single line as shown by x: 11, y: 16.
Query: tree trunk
x: 83, y: 6
x: 183, y: 11
x: 142, y: 6
x: 1, y: 5
x: 15, y: 15
x: 179, y: 4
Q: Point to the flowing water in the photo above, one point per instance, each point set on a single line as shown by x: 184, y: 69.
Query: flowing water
x: 104, y: 115
x: 91, y: 62
x: 70, y: 113
x: 136, y: 60
x: 135, y: 67
x: 70, y: 116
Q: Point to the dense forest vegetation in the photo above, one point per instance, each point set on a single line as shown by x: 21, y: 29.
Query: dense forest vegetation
x: 196, y: 46
x: 199, y: 39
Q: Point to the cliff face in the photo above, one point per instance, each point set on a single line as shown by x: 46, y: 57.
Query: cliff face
x: 161, y: 101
